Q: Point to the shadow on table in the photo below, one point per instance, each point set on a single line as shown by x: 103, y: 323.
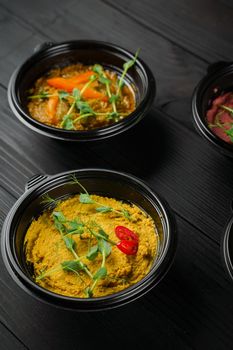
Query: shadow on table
x: 140, y: 150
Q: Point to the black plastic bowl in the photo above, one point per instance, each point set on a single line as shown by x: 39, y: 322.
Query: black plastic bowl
x: 227, y: 249
x: 219, y: 79
x: 102, y: 182
x: 50, y: 55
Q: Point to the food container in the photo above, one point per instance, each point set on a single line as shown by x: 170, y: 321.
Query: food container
x: 219, y: 78
x: 227, y: 248
x: 50, y: 55
x: 102, y: 182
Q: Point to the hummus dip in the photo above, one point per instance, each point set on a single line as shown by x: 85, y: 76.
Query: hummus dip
x: 46, y: 249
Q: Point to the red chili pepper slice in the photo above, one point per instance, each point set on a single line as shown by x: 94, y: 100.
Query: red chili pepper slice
x: 128, y: 247
x: 124, y: 233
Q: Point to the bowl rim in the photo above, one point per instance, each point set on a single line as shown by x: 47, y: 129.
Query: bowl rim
x: 84, y: 135
x: 198, y: 118
x: 224, y: 248
x: 132, y: 292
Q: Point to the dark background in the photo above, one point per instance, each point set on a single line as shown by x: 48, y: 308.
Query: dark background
x: 192, y: 308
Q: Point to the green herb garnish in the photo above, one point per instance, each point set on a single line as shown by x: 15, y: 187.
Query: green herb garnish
x: 42, y: 95
x: 127, y: 65
x: 85, y: 198
x: 230, y: 133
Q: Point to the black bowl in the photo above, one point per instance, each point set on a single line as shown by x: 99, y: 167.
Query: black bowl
x: 218, y: 79
x: 227, y: 249
x: 50, y: 55
x: 102, y: 182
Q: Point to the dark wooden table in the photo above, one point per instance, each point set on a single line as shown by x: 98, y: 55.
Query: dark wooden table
x: 192, y: 308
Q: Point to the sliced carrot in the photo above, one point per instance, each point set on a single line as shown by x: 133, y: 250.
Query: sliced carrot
x: 93, y: 94
x: 52, y: 107
x: 68, y: 84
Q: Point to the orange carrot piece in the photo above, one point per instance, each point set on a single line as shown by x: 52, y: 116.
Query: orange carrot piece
x: 68, y: 84
x: 52, y: 107
x: 93, y: 94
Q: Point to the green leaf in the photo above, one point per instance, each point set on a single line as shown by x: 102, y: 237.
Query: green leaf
x: 67, y: 122
x: 85, y: 198
x: 98, y: 69
x: 59, y: 220
x: 93, y: 252
x: 104, y: 80
x: 84, y: 107
x: 113, y: 115
x: 113, y: 98
x: 88, y: 292
x: 75, y: 226
x: 101, y: 273
x: 58, y: 215
x: 104, y: 209
x: 104, y: 247
x: 93, y: 77
x: 44, y: 94
x: 126, y: 213
x: 230, y: 133
x: 72, y: 265
x: 102, y: 233
x: 70, y: 243
x: 59, y: 226
x: 130, y: 63
x: 76, y: 93
x: 63, y: 94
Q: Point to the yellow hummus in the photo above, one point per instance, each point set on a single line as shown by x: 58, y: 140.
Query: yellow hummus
x: 45, y: 248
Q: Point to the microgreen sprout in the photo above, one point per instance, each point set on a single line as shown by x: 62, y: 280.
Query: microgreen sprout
x: 85, y: 198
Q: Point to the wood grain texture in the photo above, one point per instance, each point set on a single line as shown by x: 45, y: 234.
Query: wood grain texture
x: 9, y: 341
x: 201, y: 27
x: 176, y: 71
x: 192, y: 307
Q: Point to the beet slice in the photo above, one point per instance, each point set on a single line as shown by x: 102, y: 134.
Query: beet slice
x: 225, y: 118
x: 210, y: 116
x: 221, y: 134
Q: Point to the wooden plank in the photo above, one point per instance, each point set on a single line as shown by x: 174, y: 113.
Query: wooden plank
x: 176, y: 71
x: 8, y: 340
x: 201, y: 27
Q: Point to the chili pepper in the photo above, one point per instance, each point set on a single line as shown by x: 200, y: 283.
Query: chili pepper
x: 123, y: 233
x: 128, y: 247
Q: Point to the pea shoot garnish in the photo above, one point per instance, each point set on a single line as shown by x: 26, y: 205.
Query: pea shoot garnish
x: 86, y: 198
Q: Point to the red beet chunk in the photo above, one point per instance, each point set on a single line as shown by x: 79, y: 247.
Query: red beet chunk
x: 211, y: 114
x: 220, y: 133
x: 225, y: 118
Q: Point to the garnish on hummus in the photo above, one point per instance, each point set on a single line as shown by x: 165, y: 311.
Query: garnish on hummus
x: 90, y: 246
